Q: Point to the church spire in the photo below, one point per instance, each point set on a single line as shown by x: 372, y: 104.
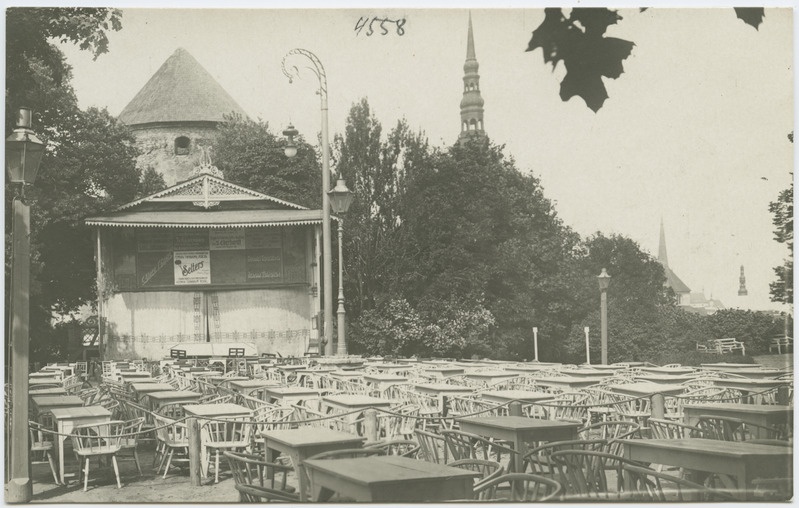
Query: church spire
x: 663, y: 257
x: 472, y: 102
x: 742, y: 283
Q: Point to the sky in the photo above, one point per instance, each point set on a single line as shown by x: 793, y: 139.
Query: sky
x: 694, y: 132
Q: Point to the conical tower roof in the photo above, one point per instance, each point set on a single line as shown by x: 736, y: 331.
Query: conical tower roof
x: 180, y: 91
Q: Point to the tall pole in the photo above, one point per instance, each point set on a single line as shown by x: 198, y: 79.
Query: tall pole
x: 535, y: 342
x: 342, y: 325
x: 604, y: 321
x: 19, y: 488
x: 587, y: 346
x: 327, y: 258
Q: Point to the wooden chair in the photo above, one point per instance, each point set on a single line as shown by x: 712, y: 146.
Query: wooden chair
x: 129, y: 440
x: 649, y: 486
x: 463, y: 445
x: 174, y: 439
x: 402, y: 447
x: 667, y: 429
x: 613, y: 431
x: 523, y: 487
x: 584, y: 475
x: 257, y: 494
x: 251, y: 469
x: 42, y: 442
x: 488, y: 469
x: 734, y: 429
x: 220, y: 436
x: 350, y: 453
x: 538, y: 460
x: 97, y: 440
x: 433, y: 447
x: 171, y: 411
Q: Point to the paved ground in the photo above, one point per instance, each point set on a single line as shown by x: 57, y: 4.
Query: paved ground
x: 775, y: 361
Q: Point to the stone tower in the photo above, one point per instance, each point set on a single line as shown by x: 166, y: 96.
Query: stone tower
x: 175, y: 114
x: 472, y: 102
x: 742, y: 284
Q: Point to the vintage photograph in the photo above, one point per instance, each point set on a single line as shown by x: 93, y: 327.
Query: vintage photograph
x: 398, y: 255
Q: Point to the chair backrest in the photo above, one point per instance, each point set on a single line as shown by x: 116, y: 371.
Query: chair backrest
x: 433, y: 447
x: 249, y: 469
x: 464, y: 445
x: 523, y: 487
x: 350, y: 453
x: 257, y: 494
x: 538, y: 460
x: 37, y: 436
x: 402, y: 447
x: 97, y: 438
x: 584, y: 474
x: 232, y: 430
x: 734, y: 429
x: 130, y: 432
x: 647, y: 485
x: 667, y: 429
x: 488, y: 469
x: 171, y: 411
x: 171, y: 432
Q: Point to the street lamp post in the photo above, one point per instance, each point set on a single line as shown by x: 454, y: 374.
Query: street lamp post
x: 340, y: 201
x: 604, y: 281
x: 327, y: 258
x: 23, y: 154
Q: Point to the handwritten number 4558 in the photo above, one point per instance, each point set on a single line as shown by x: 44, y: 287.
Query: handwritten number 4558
x: 370, y: 25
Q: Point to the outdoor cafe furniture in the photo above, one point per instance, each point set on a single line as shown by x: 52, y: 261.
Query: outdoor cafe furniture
x: 224, y: 410
x: 761, y: 415
x: 387, y: 368
x: 346, y: 374
x: 668, y: 371
x: 505, y: 396
x: 97, y: 440
x: 141, y: 389
x: 303, y: 442
x: 443, y: 371
x: 519, y: 430
x: 161, y: 398
x: 46, y: 403
x: 42, y: 442
x: 246, y: 387
x: 754, y: 373
x: 440, y: 390
x: 344, y: 403
x: 663, y: 378
x: 740, y: 460
x: 527, y: 368
x: 47, y: 391
x: 286, y: 396
x: 747, y: 386
x: 724, y: 365
x: 590, y: 372
x: 382, y: 381
x: 388, y: 478
x: 655, y: 392
x: 134, y: 376
x: 568, y: 383
x: 491, y: 377
x: 67, y: 418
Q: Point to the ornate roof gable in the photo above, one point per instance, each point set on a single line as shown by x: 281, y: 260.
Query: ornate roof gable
x: 207, y: 191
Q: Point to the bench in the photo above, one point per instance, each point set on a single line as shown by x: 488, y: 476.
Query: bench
x: 728, y: 345
x: 781, y: 343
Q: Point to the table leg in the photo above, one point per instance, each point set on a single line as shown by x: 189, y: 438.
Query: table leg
x: 61, y: 439
x: 271, y: 456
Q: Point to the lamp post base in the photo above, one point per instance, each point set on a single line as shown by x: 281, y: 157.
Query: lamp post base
x: 19, y: 490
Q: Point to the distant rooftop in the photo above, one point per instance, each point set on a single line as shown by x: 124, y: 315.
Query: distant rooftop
x: 181, y: 90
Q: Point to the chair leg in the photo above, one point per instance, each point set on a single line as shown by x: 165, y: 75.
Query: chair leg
x: 52, y: 466
x: 136, y: 459
x: 116, y: 470
x: 164, y: 453
x: 168, y: 461
x: 86, y: 476
x: 158, y: 452
x: 216, y: 467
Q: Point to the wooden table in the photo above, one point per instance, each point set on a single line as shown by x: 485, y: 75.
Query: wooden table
x: 590, y: 372
x: 345, y: 403
x: 503, y: 396
x: 491, y: 377
x: 444, y: 372
x: 67, y: 418
x: 383, y: 381
x: 765, y: 415
x: 141, y: 389
x: 745, y: 386
x: 655, y: 392
x: 744, y: 461
x: 45, y: 403
x: 568, y: 382
x: 670, y: 371
x: 217, y: 410
x: 45, y: 381
x: 526, y: 369
x: 56, y: 376
x: 388, y: 479
x: 290, y: 395
x: 440, y: 390
x: 161, y: 398
x: 47, y: 391
x: 134, y: 376
x: 304, y: 442
x: 663, y: 378
x: 346, y: 374
x: 248, y: 386
x: 519, y: 430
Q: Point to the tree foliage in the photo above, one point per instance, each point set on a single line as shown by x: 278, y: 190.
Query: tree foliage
x: 579, y: 42
x: 249, y: 154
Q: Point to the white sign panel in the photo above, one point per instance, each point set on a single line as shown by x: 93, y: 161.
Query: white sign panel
x: 227, y: 239
x: 192, y: 267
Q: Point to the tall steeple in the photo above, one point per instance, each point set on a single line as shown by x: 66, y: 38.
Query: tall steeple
x: 472, y: 102
x: 742, y: 283
x: 663, y: 257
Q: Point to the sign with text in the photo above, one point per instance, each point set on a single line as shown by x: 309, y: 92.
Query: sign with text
x: 227, y: 239
x: 192, y: 267
x: 264, y: 265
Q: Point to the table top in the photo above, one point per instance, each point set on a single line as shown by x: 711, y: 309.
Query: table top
x: 346, y: 373
x: 674, y: 371
x: 521, y: 395
x: 226, y: 409
x: 43, y: 401
x: 644, y: 388
x: 292, y: 367
x: 44, y: 381
x: 663, y: 378
x: 126, y: 375
x: 387, y: 469
x: 731, y: 449
x: 44, y: 375
x: 763, y: 409
x: 151, y: 387
x: 491, y: 374
x: 444, y: 368
x: 71, y: 413
x: 589, y: 372
x: 356, y: 401
x: 254, y: 383
x: 443, y: 387
x: 751, y: 383
x: 47, y: 391
x: 311, y: 436
x: 569, y: 380
x: 291, y: 390
x: 727, y: 365
x: 517, y: 422
x: 383, y: 377
x: 174, y: 394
